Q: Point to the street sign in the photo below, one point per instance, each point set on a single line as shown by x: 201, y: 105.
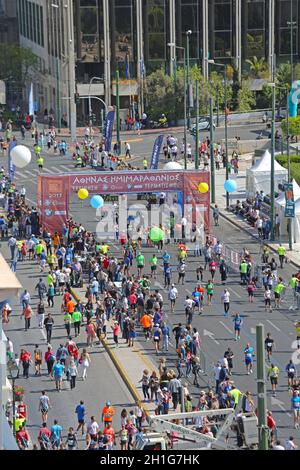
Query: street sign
x: 289, y: 200
x: 2, y: 92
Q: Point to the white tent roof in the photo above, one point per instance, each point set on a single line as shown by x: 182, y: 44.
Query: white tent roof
x: 264, y: 164
x: 296, y: 189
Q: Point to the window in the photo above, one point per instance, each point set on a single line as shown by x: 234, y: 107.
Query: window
x: 124, y: 30
x: 157, y: 29
x: 191, y: 18
x: 42, y: 25
x: 89, y: 27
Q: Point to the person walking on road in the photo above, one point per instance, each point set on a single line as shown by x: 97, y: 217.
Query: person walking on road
x: 267, y: 298
x: 281, y: 254
x: 249, y: 354
x: 85, y: 363
x: 295, y: 401
x: 44, y: 406
x: 291, y: 374
x: 41, y: 288
x: 58, y: 371
x: 209, y: 291
x: 269, y: 345
x: 37, y: 360
x: 67, y: 322
x: 27, y: 313
x: 25, y: 358
x: 277, y: 292
x: 226, y: 302
x: 56, y: 435
x: 172, y: 294
x: 41, y: 314
x: 80, y: 412
x: 238, y: 321
x: 48, y: 323
x: 72, y: 372
x: 273, y: 374
x: 108, y: 413
x: 50, y: 360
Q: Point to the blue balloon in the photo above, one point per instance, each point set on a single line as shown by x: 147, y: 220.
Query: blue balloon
x: 97, y: 202
x: 230, y: 186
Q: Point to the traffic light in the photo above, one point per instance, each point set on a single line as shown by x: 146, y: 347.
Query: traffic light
x: 77, y: 98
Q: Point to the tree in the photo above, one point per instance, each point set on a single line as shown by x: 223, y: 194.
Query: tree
x: 258, y: 67
x: 16, y: 62
x: 246, y: 98
x: 294, y: 126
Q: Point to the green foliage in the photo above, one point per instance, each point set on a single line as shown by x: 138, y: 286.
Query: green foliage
x: 295, y: 167
x: 258, y: 67
x: 15, y: 62
x: 245, y: 98
x: 294, y: 126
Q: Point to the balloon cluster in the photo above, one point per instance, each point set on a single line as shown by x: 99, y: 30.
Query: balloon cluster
x: 96, y: 201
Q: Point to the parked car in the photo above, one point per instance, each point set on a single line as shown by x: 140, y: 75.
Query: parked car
x: 204, y: 125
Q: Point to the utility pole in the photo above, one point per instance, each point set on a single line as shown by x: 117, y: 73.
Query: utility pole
x: 118, y: 112
x: 212, y: 158
x: 273, y: 164
x: 72, y: 77
x: 290, y: 221
x: 185, y: 116
x: 226, y: 134
x: 188, y: 33
x: 261, y: 388
x: 197, y: 127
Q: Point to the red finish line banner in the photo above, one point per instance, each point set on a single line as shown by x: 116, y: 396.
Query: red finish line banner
x: 53, y: 191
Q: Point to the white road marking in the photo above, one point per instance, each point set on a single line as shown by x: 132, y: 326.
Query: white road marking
x: 274, y: 326
x: 253, y: 331
x: 210, y: 335
x: 64, y: 167
x: 49, y: 171
x: 235, y: 293
x: 226, y: 327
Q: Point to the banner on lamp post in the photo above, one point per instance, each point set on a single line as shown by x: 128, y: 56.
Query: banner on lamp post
x: 108, y: 130
x: 156, y: 152
x: 289, y: 200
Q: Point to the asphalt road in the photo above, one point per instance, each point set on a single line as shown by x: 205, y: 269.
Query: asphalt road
x: 217, y: 331
x: 103, y: 382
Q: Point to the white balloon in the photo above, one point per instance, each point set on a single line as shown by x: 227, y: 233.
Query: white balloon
x: 20, y: 156
x: 172, y: 166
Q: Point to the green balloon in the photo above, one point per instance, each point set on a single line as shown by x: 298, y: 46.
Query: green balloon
x: 156, y: 234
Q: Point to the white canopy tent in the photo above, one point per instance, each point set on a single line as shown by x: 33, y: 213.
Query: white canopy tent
x: 259, y: 175
x: 280, y: 208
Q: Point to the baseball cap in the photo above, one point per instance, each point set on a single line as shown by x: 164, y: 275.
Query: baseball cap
x: 165, y: 389
x: 108, y: 403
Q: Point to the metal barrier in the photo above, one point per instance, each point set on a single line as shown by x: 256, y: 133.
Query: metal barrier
x: 231, y: 257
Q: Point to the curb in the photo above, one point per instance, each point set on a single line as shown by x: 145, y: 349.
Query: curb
x: 253, y: 236
x: 118, y: 366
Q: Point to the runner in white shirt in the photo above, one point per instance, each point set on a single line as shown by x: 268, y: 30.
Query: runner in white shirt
x: 290, y: 444
x: 61, y: 281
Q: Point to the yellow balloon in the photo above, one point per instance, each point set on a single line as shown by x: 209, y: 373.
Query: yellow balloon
x: 83, y: 194
x: 203, y: 188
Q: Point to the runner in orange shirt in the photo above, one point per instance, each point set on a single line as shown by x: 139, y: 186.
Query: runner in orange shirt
x: 146, y: 321
x: 107, y: 413
x: 71, y: 306
x: 110, y: 433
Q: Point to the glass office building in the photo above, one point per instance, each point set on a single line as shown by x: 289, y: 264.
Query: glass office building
x: 236, y: 30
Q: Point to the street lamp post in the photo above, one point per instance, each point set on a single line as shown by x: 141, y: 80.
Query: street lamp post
x: 13, y: 370
x: 226, y: 122
x: 292, y: 24
x: 118, y: 112
x: 185, y: 101
x: 56, y: 7
x: 188, y: 34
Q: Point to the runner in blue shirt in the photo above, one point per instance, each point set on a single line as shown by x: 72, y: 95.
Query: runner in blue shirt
x: 56, y: 431
x: 238, y: 321
x: 197, y: 299
x: 58, y: 370
x: 80, y: 411
x: 296, y: 407
x: 249, y: 353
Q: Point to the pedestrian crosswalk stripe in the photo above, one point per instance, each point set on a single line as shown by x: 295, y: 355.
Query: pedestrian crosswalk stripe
x: 47, y: 171
x: 64, y: 167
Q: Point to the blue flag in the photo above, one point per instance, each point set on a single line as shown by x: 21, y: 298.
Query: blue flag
x: 127, y: 70
x: 156, y: 152
x: 108, y: 130
x: 11, y: 167
x: 143, y: 68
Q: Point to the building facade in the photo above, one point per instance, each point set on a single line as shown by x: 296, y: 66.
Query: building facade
x: 133, y: 35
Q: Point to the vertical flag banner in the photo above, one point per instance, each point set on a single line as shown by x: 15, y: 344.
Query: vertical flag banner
x: 127, y: 70
x: 156, y: 152
x: 108, y: 130
x: 289, y: 200
x: 31, y: 102
x: 11, y: 167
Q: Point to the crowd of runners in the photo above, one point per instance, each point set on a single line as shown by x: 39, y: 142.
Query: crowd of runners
x: 120, y: 298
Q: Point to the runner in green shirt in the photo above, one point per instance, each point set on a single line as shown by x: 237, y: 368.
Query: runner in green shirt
x: 67, y: 322
x: 277, y: 292
x: 140, y: 260
x: 209, y: 291
x: 281, y: 253
x: 153, y: 263
x: 77, y: 316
